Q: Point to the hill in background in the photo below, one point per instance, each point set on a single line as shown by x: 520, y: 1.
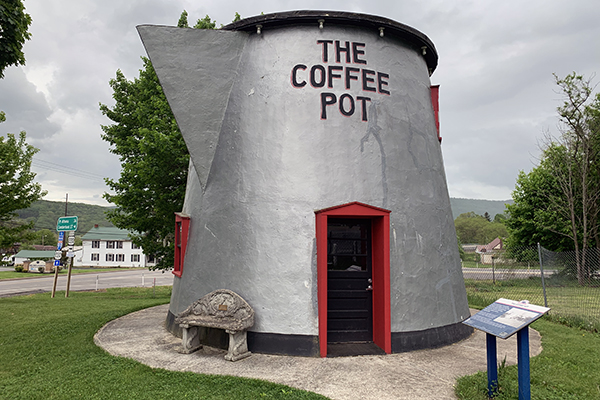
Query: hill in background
x: 45, y: 213
x: 480, y: 207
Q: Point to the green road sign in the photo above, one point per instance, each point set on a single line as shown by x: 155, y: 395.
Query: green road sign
x: 66, y: 224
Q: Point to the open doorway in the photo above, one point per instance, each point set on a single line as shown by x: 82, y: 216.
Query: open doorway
x: 353, y: 279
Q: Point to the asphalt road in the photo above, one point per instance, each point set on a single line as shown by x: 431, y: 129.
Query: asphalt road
x: 87, y: 281
x: 502, y: 273
x: 143, y: 277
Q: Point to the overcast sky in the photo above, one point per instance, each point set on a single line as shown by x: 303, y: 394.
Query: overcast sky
x: 496, y: 59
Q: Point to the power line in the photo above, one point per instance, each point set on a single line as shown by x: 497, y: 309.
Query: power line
x: 47, y: 165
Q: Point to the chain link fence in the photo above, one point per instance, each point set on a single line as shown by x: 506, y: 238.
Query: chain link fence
x: 567, y: 282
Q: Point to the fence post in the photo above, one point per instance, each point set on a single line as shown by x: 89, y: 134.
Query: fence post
x: 542, y: 272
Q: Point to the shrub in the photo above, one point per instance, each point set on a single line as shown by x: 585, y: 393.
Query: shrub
x: 41, y: 270
x: 19, y: 268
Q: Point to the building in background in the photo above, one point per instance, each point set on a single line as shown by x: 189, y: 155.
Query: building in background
x: 110, y: 247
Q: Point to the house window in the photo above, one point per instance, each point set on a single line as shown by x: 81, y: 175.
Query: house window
x: 134, y: 246
x: 182, y: 225
x: 95, y: 257
x: 120, y: 257
x: 135, y: 258
x: 95, y: 244
x: 119, y: 245
x: 110, y: 244
x: 110, y: 257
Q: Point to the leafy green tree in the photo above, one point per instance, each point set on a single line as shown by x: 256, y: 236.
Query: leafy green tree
x: 461, y: 251
x: 154, y: 159
x: 530, y: 220
x: 44, y: 237
x: 473, y: 228
x: 14, y: 25
x: 17, y: 187
x: 500, y: 218
x: 558, y: 203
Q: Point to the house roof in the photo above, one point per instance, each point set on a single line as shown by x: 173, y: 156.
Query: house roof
x: 495, y: 244
x: 107, y: 233
x: 35, y: 254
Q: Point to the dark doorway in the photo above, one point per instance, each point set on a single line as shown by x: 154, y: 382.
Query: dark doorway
x: 349, y: 280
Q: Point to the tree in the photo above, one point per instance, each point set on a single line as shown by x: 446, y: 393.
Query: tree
x: 44, y: 237
x: 473, y: 228
x: 154, y: 159
x: 487, y: 217
x: 17, y: 187
x: 558, y: 202
x: 14, y: 23
x: 573, y: 160
x: 530, y: 221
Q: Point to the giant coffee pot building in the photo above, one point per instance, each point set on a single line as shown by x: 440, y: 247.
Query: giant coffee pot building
x: 316, y: 187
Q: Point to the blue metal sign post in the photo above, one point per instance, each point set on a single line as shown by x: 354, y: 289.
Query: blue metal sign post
x: 502, y: 319
x: 523, y: 361
x: 492, y: 364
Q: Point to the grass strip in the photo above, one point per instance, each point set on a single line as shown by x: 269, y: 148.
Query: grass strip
x: 567, y: 368
x: 47, y: 352
x: 28, y: 275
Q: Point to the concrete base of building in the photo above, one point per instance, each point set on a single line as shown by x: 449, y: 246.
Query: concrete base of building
x: 308, y: 345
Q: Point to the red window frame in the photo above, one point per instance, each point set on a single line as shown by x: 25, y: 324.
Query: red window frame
x: 182, y: 227
x: 435, y: 102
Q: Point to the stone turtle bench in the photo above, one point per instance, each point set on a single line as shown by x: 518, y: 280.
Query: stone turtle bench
x: 222, y: 309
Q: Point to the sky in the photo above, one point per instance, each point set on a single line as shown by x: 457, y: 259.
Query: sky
x: 498, y: 95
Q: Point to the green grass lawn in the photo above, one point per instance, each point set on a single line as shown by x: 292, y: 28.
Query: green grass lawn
x: 27, y: 275
x: 47, y: 352
x: 567, y: 300
x: 569, y: 365
x: 568, y: 368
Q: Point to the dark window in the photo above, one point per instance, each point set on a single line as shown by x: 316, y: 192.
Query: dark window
x: 348, y: 245
x: 110, y: 257
x: 95, y: 257
x: 120, y: 257
x: 95, y: 244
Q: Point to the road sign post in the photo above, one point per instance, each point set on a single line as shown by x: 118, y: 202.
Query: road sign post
x: 70, y: 241
x: 62, y: 225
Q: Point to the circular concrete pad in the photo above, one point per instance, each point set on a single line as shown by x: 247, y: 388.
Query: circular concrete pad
x: 424, y: 374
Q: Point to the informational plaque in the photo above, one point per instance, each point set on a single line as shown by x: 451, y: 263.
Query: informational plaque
x: 504, y: 317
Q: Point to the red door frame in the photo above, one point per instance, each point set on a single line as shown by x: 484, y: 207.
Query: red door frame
x: 380, y: 217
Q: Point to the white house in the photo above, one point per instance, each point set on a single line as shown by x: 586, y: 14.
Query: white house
x: 111, y: 247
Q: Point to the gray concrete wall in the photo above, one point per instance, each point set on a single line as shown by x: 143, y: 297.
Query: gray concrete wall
x: 269, y: 160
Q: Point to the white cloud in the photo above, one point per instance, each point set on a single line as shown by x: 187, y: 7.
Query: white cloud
x: 496, y: 63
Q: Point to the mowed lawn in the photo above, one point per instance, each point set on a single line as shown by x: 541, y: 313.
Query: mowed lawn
x: 47, y: 352
x: 567, y: 369
x: 569, y: 366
